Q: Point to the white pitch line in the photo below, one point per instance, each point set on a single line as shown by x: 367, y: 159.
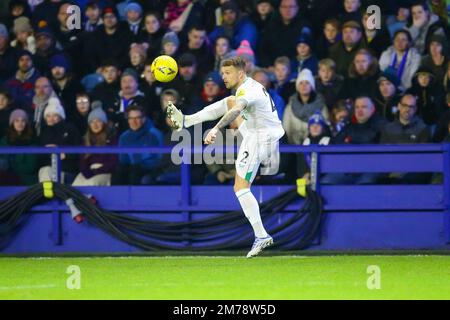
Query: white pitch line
x: 27, y: 287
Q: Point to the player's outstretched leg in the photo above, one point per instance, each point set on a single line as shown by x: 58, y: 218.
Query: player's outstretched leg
x: 250, y: 207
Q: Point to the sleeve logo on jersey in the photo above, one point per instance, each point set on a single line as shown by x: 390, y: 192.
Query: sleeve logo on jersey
x: 240, y: 93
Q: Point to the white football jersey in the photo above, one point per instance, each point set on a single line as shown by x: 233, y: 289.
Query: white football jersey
x: 260, y: 113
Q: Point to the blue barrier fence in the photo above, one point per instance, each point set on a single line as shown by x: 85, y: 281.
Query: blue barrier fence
x: 357, y: 217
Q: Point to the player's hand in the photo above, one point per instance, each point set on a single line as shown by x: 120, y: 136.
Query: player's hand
x: 211, y: 136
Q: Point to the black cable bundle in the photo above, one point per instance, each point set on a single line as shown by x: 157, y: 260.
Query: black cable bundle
x: 225, y: 231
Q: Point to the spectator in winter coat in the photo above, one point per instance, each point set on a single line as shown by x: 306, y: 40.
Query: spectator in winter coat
x: 424, y: 25
x: 344, y: 51
x: 96, y: 169
x: 352, y: 11
x: 318, y: 134
x: 111, y: 41
x: 133, y: 12
x: 6, y: 107
x: 285, y: 25
x: 235, y: 26
x: 377, y: 40
x: 8, y: 55
x: 80, y: 117
x: 285, y: 78
x: 362, y: 76
x: 92, y: 13
x: 58, y: 132
x: 127, y: 96
x: 401, y: 19
x: 170, y: 45
x: 305, y: 56
x: 442, y: 132
x: 106, y: 91
x: 222, y: 50
x: 198, y: 46
x: 388, y: 96
x: 188, y: 82
x: 328, y: 83
x: 328, y: 37
x: 302, y: 105
x: 429, y: 95
x: 65, y: 85
x: 152, y: 34
x: 401, y: 58
x: 24, y: 35
x: 22, y: 84
x: 45, y: 49
x: 138, y: 56
x: 141, y: 133
x: 43, y: 91
x: 408, y: 128
x: 438, y: 57
x: 20, y: 133
x: 366, y: 129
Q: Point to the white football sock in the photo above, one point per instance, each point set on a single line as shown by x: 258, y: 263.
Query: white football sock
x: 251, y: 210
x: 209, y: 113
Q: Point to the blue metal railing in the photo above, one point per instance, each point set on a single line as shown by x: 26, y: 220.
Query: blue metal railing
x: 373, y: 158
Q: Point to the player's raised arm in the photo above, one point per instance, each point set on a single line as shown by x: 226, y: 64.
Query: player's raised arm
x: 209, y: 113
x: 229, y: 117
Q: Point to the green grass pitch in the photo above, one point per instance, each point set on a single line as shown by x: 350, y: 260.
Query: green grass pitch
x: 200, y: 277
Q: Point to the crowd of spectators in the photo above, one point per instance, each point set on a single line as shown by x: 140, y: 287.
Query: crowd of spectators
x: 333, y: 78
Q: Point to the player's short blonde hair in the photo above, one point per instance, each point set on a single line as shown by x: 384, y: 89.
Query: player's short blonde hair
x: 236, y: 62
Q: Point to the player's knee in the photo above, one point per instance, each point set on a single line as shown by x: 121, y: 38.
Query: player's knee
x: 240, y: 184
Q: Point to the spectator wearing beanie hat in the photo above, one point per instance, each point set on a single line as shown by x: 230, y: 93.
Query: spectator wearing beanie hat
x: 21, y: 86
x: 245, y: 52
x: 388, y: 95
x: 170, y: 44
x: 133, y: 12
x: 305, y: 56
x: 24, y: 35
x: 318, y: 134
x: 23, y: 167
x: 302, y: 105
x: 65, y: 85
x: 96, y: 169
x: 45, y: 48
x: 58, y: 132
